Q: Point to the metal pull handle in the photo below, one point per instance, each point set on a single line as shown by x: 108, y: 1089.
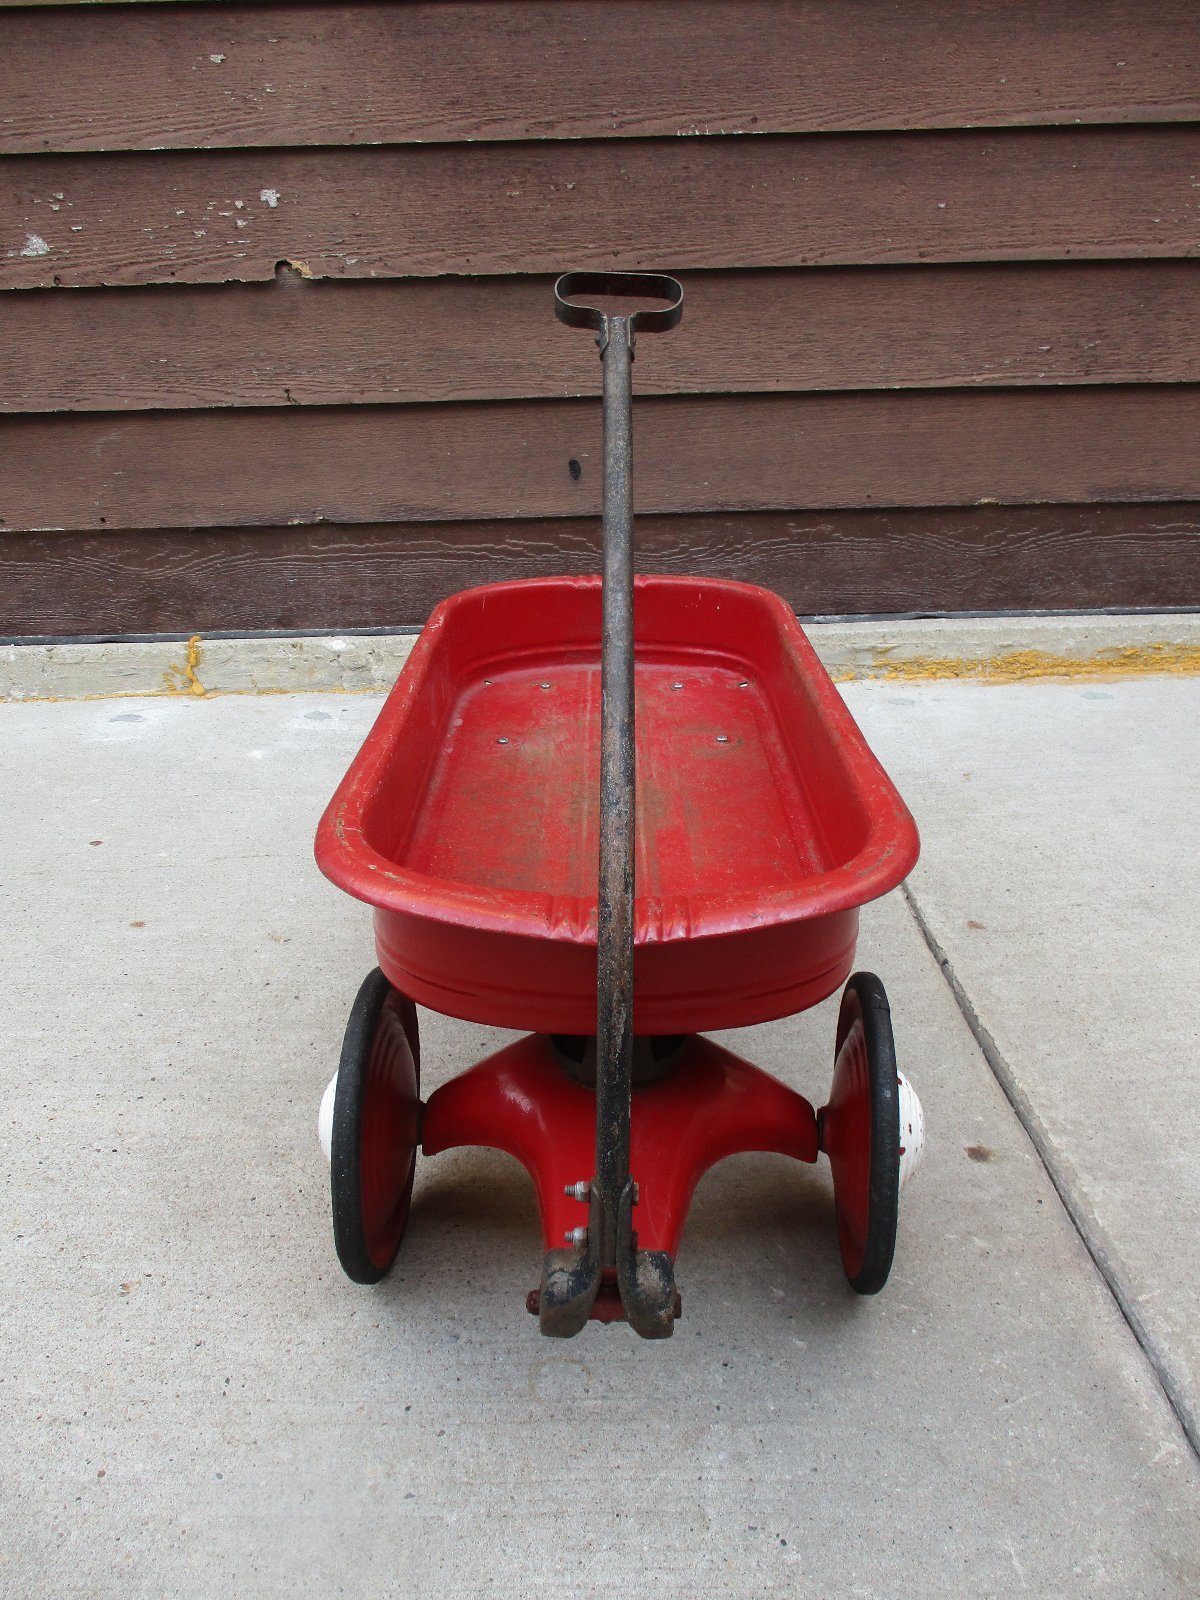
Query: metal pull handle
x: 628, y: 285
x: 645, y: 1278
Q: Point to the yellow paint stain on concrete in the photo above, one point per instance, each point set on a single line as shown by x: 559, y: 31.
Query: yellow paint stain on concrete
x: 183, y: 680
x: 1021, y: 666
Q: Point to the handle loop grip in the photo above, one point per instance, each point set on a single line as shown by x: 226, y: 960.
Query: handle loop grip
x: 656, y: 285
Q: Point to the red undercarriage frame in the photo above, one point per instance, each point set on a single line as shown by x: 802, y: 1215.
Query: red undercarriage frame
x: 712, y: 1105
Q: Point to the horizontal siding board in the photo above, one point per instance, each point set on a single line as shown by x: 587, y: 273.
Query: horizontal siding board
x: 417, y: 340
x: 956, y: 559
x: 203, y: 76
x: 427, y: 210
x: 452, y: 462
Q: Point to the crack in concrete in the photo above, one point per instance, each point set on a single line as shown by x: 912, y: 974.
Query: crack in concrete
x: 1068, y: 1188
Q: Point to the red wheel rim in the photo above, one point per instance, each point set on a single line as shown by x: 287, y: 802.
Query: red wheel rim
x: 847, y: 1138
x: 388, y: 1137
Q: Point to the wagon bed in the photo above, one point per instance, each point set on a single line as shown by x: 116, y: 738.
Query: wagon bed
x: 470, y: 818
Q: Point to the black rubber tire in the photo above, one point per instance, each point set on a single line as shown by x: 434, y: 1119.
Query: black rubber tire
x: 381, y: 1045
x: 865, y: 1001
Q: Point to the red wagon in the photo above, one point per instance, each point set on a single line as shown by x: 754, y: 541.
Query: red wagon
x: 617, y: 812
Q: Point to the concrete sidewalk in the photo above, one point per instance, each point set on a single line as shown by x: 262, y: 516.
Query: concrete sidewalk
x: 193, y: 1398
x: 1060, y: 884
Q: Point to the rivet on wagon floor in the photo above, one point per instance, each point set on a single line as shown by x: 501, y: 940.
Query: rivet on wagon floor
x: 745, y: 683
x: 722, y: 738
x: 677, y: 686
x: 501, y: 740
x: 543, y: 685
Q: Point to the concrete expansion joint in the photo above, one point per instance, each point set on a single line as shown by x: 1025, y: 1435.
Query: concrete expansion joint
x: 1069, y: 1189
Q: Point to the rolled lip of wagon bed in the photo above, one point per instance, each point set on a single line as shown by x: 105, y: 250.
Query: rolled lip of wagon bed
x: 344, y: 856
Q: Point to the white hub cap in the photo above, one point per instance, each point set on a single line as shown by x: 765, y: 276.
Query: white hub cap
x: 325, y: 1117
x: 912, y: 1129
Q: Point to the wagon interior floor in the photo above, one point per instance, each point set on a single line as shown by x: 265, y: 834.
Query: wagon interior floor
x: 513, y: 799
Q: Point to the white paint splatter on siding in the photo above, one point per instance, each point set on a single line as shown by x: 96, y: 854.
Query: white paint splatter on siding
x: 216, y: 60
x: 271, y: 196
x: 35, y: 245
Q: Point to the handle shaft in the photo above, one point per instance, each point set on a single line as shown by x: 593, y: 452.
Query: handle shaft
x: 645, y: 1278
x: 614, y: 932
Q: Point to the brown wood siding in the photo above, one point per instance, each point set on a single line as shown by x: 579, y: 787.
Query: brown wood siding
x: 383, y: 575
x: 293, y: 342
x: 427, y: 210
x: 278, y: 348
x: 238, y: 75
x: 727, y: 453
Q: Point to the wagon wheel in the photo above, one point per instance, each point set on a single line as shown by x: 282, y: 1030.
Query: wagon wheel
x: 860, y: 1132
x: 376, y: 1129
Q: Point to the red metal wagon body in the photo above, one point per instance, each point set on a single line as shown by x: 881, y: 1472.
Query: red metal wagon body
x: 681, y: 736
x: 470, y: 817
